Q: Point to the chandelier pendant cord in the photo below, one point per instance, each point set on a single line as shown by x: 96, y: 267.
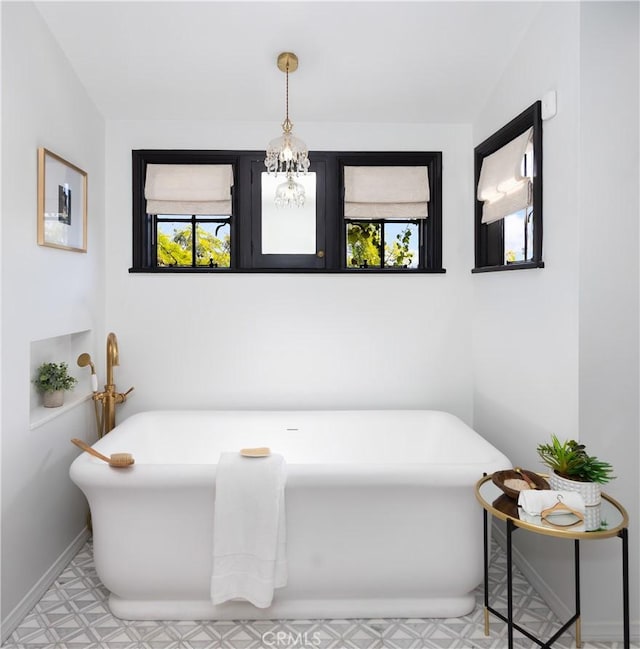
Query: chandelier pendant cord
x: 287, y: 126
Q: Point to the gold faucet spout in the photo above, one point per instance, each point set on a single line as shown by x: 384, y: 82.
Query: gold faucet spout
x: 109, y: 398
x: 112, y: 356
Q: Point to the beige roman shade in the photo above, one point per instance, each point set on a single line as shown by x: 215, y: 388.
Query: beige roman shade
x: 188, y: 189
x: 386, y: 192
x: 502, y: 187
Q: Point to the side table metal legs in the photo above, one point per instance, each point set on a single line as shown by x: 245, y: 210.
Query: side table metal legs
x: 576, y: 556
x: 624, y: 535
x: 511, y: 625
x: 485, y: 540
x: 509, y: 585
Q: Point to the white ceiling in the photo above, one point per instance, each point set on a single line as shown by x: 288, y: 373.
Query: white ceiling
x: 359, y: 61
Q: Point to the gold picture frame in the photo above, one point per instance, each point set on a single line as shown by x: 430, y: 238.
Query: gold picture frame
x: 62, y: 203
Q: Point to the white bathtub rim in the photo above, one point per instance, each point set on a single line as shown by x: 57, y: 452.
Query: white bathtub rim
x: 89, y: 473
x: 302, y: 426
x: 413, y: 467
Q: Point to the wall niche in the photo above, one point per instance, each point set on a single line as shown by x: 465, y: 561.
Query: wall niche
x: 65, y: 348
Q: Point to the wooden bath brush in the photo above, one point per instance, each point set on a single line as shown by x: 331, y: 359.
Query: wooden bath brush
x: 261, y: 451
x: 117, y: 460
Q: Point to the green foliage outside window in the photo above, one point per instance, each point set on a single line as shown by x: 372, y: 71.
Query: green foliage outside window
x: 397, y: 253
x: 176, y: 249
x: 363, y: 247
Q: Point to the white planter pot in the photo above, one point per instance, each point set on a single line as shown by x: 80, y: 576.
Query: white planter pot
x: 53, y: 399
x: 592, y: 517
x: 590, y: 491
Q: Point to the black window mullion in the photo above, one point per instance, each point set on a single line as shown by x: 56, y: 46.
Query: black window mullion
x: 526, y: 235
x: 193, y: 241
x: 344, y: 243
x: 153, y: 251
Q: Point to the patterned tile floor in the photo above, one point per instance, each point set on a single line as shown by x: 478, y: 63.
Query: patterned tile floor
x: 73, y: 614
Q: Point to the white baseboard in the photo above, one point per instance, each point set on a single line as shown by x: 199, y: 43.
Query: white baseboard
x: 594, y: 631
x: 11, y: 622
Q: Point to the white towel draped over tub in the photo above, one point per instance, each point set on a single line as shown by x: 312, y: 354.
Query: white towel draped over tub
x: 249, y: 530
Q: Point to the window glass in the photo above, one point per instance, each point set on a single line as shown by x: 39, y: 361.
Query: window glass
x: 518, y: 227
x: 514, y: 237
x: 382, y: 244
x: 174, y: 244
x: 213, y: 244
x: 401, y: 245
x: 363, y: 244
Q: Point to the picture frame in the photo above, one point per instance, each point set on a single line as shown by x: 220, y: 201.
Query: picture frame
x: 62, y: 203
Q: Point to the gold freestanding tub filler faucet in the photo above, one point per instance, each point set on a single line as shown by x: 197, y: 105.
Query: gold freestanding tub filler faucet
x: 109, y: 397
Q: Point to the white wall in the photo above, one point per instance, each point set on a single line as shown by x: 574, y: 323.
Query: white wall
x: 538, y: 360
x: 525, y: 323
x: 45, y: 293
x: 608, y: 227
x: 292, y: 340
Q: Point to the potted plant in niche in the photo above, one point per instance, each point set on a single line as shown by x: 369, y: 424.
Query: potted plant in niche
x: 574, y: 469
x: 52, y: 379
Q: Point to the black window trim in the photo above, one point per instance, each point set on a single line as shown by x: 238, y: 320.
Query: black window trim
x: 489, y: 237
x: 242, y: 230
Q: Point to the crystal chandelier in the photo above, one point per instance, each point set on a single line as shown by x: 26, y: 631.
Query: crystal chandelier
x: 288, y: 154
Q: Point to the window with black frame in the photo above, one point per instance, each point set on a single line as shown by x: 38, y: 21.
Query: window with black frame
x: 508, y: 214
x: 190, y: 209
x: 384, y: 211
x: 201, y: 211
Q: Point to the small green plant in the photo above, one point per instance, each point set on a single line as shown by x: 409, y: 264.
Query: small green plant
x: 570, y: 460
x: 51, y: 377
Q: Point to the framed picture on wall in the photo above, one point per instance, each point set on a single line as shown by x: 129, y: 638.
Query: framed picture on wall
x: 62, y: 203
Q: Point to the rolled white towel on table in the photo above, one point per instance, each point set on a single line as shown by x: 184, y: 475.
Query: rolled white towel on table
x: 534, y: 501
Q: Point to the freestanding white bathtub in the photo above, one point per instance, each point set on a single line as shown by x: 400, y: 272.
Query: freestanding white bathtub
x: 381, y: 515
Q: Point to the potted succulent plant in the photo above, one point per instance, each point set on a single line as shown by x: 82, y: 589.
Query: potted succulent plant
x: 52, y: 379
x: 574, y: 469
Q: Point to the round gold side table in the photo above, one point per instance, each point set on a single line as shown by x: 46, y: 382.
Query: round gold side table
x: 609, y: 520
